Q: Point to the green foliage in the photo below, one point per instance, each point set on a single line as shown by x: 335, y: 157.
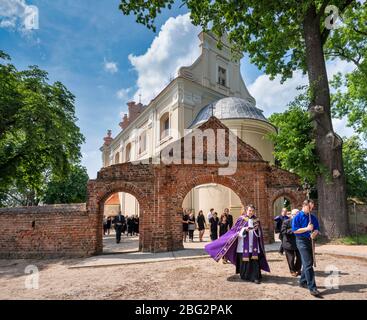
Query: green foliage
x: 270, y: 31
x: 355, y: 240
x: 70, y: 189
x: 355, y: 166
x: 38, y: 132
x: 349, y: 43
x: 294, y: 147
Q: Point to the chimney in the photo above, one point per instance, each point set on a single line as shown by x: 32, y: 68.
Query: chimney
x: 134, y: 110
x: 125, y: 122
x: 108, y: 139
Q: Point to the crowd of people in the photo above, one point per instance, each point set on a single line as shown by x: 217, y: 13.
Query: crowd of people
x: 243, y: 244
x: 217, y: 225
x: 128, y: 225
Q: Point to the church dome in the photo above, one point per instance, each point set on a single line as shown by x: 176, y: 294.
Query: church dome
x: 229, y: 108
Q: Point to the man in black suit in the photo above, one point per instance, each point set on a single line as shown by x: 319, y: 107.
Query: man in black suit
x: 119, y: 221
x: 289, y: 245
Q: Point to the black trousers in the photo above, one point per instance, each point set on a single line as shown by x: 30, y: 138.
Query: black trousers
x: 118, y: 233
x: 294, y: 260
x: 191, y: 235
x: 248, y: 270
x: 214, y: 235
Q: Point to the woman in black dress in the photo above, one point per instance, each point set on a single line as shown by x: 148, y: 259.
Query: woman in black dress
x: 223, y: 225
x: 185, y: 226
x: 201, y: 224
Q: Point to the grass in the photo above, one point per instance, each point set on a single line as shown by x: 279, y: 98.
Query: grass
x: 360, y: 239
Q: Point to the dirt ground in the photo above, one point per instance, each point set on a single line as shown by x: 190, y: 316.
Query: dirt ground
x: 181, y: 279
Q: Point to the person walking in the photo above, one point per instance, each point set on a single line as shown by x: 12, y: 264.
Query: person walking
x: 290, y: 247
x: 185, y: 225
x: 214, y: 221
x: 118, y: 221
x: 229, y: 218
x: 191, y: 226
x: 243, y: 246
x: 223, y: 225
x: 278, y: 226
x: 305, y: 226
x: 108, y: 225
x: 201, y: 224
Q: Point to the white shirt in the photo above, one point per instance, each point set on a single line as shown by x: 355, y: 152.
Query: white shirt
x: 240, y: 241
x: 209, y: 215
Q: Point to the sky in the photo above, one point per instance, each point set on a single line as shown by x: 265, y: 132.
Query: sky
x: 107, y: 59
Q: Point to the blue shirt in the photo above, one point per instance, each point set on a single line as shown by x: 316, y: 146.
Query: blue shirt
x: 301, y: 220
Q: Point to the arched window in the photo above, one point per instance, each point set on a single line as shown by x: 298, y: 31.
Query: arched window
x: 164, y: 126
x: 128, y: 152
x: 143, y: 142
x: 117, y: 157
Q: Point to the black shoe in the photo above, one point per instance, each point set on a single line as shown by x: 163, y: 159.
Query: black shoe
x: 315, y: 293
x: 257, y: 281
x: 303, y: 284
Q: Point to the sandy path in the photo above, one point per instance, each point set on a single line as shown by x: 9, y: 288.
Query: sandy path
x: 185, y: 279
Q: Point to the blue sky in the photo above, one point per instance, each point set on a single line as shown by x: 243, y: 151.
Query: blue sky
x: 105, y: 59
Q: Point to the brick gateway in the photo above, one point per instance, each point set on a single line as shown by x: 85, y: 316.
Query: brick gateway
x: 160, y: 190
x: 76, y: 230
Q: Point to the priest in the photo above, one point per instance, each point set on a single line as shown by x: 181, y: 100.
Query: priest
x: 243, y: 246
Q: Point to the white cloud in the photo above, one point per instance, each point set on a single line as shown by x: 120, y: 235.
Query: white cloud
x: 272, y: 96
x: 175, y: 46
x: 110, y: 66
x: 340, y: 127
x: 124, y: 94
x: 17, y: 14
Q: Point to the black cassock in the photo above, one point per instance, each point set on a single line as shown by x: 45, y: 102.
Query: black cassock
x: 248, y: 270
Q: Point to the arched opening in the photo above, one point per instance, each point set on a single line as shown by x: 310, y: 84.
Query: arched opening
x: 117, y: 158
x: 127, y: 224
x: 204, y: 197
x: 164, y: 126
x: 280, y: 204
x: 128, y: 153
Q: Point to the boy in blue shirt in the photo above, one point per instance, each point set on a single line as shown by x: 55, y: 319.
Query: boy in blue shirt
x: 306, y: 226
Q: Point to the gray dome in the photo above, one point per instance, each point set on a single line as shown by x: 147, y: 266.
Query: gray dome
x: 229, y: 108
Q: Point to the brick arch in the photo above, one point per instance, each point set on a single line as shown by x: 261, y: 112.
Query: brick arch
x: 104, y: 189
x: 120, y: 186
x: 225, y: 181
x: 295, y: 197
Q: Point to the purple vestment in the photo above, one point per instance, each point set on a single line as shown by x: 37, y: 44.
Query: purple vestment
x: 226, y: 245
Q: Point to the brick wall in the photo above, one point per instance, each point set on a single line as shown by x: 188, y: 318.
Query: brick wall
x: 47, y: 231
x: 76, y: 230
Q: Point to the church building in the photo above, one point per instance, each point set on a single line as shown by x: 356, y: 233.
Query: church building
x: 212, y: 85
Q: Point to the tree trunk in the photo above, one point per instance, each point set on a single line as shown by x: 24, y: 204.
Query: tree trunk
x: 331, y: 184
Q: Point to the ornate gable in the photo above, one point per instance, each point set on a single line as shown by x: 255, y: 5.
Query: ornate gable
x: 222, y: 135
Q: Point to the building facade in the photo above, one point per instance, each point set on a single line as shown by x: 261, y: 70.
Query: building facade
x: 212, y: 85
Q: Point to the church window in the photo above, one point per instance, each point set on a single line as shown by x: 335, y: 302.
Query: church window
x: 117, y: 157
x: 164, y: 126
x: 128, y: 152
x: 222, y: 74
x: 142, y: 142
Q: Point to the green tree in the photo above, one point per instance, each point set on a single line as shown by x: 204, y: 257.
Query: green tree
x: 294, y: 149
x: 349, y: 42
x: 281, y: 37
x: 355, y: 163
x: 70, y: 189
x: 39, y: 137
x: 294, y: 146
